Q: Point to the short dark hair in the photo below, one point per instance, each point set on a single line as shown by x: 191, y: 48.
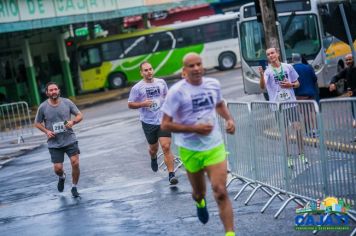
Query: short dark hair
x: 144, y: 62
x: 51, y: 83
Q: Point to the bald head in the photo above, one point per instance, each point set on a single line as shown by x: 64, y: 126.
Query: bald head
x: 193, y: 68
x: 349, y: 60
x: 190, y: 56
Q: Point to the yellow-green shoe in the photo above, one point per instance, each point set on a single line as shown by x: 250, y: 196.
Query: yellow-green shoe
x: 202, y: 211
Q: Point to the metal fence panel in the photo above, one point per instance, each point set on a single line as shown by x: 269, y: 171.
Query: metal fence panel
x: 15, y: 121
x: 239, y: 144
x: 339, y: 131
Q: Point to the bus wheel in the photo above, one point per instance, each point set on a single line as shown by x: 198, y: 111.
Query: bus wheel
x: 117, y: 80
x: 227, y: 60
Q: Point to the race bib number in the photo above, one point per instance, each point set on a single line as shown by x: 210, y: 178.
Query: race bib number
x: 156, y: 104
x: 283, y: 95
x: 59, y: 127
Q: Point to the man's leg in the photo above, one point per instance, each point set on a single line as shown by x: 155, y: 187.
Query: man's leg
x: 74, y: 161
x: 218, y: 174
x: 168, y: 155
x: 168, y: 158
x: 57, y: 158
x: 197, y: 181
x: 151, y: 134
x: 153, y: 149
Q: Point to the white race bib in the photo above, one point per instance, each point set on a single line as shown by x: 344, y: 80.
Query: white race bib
x: 283, y: 95
x: 59, y: 127
x: 156, y: 104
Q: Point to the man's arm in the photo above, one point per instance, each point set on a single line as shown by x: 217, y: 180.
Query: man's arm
x: 262, y: 78
x: 136, y: 105
x: 78, y: 118
x: 336, y: 78
x: 49, y: 133
x: 224, y: 112
x: 168, y: 125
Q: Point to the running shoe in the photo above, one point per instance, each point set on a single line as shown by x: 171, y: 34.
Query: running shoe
x: 173, y: 180
x: 154, y: 164
x: 60, y: 185
x: 303, y: 158
x: 74, y: 192
x: 290, y: 162
x: 202, y: 211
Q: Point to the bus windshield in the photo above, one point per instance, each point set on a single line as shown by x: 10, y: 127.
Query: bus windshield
x: 300, y: 33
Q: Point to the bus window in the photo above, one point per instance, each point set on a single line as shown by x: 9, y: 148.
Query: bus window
x: 218, y: 31
x: 134, y: 46
x: 252, y: 41
x: 89, y: 57
x: 159, y: 42
x: 301, y: 35
x: 111, y: 50
x: 188, y: 36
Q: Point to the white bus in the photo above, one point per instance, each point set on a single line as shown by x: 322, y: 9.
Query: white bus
x: 113, y: 61
x: 303, y: 32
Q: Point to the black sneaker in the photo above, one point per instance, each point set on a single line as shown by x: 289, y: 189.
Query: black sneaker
x: 154, y: 164
x: 202, y: 212
x: 60, y: 185
x: 172, y: 178
x: 74, y: 192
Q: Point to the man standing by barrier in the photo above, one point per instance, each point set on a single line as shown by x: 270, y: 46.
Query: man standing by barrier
x: 308, y: 89
x: 148, y: 95
x: 190, y: 111
x: 349, y: 73
x: 54, y: 119
x: 280, y: 79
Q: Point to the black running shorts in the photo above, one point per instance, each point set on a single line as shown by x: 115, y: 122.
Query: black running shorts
x: 57, y: 154
x: 153, y: 132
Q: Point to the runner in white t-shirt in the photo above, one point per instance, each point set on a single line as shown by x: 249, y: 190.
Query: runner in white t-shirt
x: 280, y: 79
x: 190, y: 112
x: 148, y: 96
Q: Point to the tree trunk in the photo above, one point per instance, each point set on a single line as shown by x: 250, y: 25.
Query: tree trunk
x: 269, y: 23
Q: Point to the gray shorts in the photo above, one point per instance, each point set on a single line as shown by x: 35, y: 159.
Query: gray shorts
x: 57, y: 154
x: 153, y: 132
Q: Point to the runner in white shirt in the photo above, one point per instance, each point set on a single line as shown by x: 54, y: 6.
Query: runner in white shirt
x: 190, y: 112
x: 148, y: 96
x: 280, y: 79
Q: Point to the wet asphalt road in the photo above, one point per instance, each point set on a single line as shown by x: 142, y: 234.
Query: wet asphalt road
x: 120, y: 195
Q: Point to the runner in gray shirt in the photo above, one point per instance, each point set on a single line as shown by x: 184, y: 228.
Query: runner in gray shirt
x: 54, y: 119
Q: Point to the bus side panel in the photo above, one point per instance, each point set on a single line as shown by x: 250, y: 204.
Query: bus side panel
x: 95, y: 78
x: 164, y: 63
x: 213, y: 50
x: 173, y: 64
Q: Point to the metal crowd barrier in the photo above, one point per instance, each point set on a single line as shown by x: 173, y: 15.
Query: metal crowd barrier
x: 295, y: 150
x: 15, y: 121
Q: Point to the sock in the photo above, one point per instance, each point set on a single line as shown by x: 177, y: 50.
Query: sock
x: 63, y: 176
x: 154, y: 157
x: 230, y: 233
x: 171, y: 174
x: 74, y: 185
x: 201, y: 204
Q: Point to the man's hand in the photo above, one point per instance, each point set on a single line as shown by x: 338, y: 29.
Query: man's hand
x: 203, y: 129
x: 332, y: 87
x: 230, y: 126
x: 69, y: 124
x: 50, y: 134
x: 147, y: 103
x: 286, y: 84
x: 260, y: 69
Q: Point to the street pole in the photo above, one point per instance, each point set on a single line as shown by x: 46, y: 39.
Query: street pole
x: 347, y: 29
x: 273, y: 38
